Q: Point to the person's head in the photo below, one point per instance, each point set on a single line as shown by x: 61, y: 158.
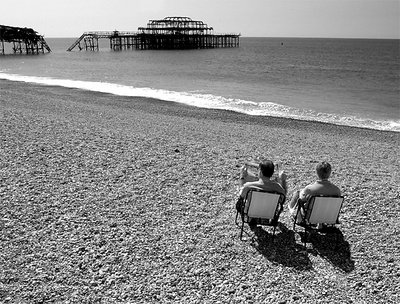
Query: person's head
x: 324, y: 170
x: 266, y: 168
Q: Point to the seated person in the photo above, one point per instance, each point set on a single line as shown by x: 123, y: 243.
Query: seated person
x: 321, y: 187
x: 263, y: 181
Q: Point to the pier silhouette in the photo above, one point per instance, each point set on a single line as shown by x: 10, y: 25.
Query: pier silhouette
x: 166, y: 34
x: 23, y: 40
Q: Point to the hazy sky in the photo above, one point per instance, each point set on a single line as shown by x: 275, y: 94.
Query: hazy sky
x: 254, y: 18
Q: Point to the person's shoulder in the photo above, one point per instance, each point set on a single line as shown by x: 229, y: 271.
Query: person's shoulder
x: 273, y: 186
x: 279, y: 188
x: 330, y: 189
x: 331, y: 186
x: 311, y: 185
x: 308, y: 188
x: 251, y: 184
x: 337, y: 189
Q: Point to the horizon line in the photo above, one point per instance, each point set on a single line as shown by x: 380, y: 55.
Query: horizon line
x: 278, y: 37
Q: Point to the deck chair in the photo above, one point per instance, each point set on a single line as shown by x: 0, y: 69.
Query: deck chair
x: 319, y: 214
x: 260, y: 207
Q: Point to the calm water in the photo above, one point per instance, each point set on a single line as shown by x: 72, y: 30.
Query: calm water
x: 341, y: 81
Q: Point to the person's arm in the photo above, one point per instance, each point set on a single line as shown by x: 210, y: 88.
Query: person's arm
x: 304, y: 194
x: 282, y: 180
x: 246, y: 176
x: 243, y: 191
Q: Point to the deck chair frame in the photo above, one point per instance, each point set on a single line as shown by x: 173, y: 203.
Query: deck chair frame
x: 315, y: 211
x: 262, y: 207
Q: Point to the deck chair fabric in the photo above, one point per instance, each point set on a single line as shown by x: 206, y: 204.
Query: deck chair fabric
x: 324, y: 210
x: 261, y: 207
x: 318, y: 213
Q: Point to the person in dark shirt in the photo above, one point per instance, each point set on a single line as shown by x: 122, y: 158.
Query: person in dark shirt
x: 261, y: 181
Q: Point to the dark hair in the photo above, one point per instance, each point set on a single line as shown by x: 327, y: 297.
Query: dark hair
x: 267, y: 168
x: 324, y: 170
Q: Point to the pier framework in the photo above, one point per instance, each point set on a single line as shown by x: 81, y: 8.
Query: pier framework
x: 166, y: 34
x: 22, y: 40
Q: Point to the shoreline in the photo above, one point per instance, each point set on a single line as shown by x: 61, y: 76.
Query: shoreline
x: 122, y: 199
x: 228, y: 110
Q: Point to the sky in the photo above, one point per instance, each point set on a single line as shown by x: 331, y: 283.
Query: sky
x: 250, y: 18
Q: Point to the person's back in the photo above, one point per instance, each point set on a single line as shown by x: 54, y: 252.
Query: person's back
x: 264, y: 182
x: 321, y: 187
x: 266, y: 185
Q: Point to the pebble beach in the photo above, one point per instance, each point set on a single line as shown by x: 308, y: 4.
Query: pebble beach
x: 112, y: 199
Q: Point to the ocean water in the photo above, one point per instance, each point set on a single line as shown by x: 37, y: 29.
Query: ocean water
x: 354, y: 82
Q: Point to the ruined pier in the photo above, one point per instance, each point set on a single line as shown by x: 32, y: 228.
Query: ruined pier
x: 166, y: 34
x: 21, y: 40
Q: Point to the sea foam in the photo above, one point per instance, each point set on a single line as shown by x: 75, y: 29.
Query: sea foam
x: 209, y: 101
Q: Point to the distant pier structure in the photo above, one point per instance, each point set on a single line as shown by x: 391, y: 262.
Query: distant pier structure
x: 21, y: 40
x: 169, y: 33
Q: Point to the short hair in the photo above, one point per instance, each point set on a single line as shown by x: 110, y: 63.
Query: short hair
x: 324, y: 170
x: 267, y: 167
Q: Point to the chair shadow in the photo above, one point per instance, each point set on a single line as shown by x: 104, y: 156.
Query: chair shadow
x: 281, y: 249
x: 336, y: 251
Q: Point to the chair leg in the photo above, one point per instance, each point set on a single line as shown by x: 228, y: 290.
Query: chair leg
x: 241, y: 230
x: 295, y: 218
x: 305, y: 239
x: 273, y: 234
x: 237, y: 213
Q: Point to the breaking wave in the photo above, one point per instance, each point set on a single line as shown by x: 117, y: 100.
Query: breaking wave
x: 210, y: 101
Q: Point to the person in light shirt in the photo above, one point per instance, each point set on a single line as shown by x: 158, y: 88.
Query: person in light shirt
x: 322, y: 186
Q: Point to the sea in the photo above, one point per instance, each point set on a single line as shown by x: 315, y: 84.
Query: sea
x: 352, y: 82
